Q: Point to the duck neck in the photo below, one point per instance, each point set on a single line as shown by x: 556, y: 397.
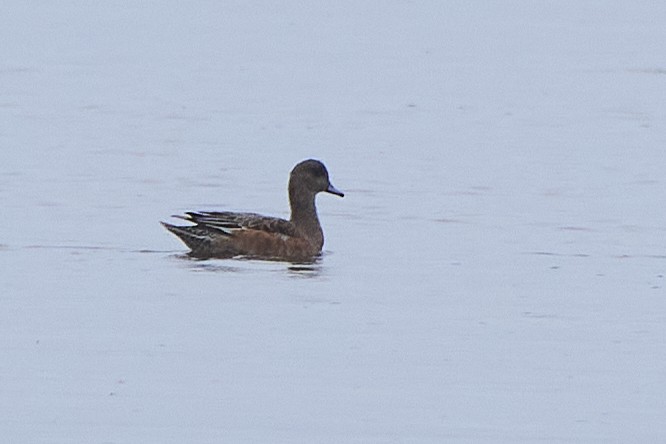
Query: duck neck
x: 304, y: 216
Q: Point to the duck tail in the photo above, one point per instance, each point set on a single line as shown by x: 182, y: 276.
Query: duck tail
x: 198, y: 238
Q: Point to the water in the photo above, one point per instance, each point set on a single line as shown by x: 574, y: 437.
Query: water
x: 495, y: 272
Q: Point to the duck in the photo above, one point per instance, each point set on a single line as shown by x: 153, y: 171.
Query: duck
x: 226, y: 234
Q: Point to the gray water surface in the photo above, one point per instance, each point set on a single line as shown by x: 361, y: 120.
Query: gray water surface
x: 495, y: 272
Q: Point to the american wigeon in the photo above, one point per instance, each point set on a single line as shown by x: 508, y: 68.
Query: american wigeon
x: 228, y: 234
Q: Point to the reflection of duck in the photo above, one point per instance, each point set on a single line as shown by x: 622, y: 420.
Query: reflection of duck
x: 228, y: 234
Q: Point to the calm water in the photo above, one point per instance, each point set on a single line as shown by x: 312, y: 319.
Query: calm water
x: 495, y: 272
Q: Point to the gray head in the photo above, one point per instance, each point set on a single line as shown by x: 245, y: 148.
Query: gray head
x: 311, y: 175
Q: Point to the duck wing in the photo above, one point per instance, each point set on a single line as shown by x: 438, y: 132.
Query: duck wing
x: 229, y: 221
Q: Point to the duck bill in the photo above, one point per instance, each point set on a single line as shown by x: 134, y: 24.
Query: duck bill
x: 331, y: 189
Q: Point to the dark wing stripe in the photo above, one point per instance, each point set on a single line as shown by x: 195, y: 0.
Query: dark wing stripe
x: 234, y: 221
